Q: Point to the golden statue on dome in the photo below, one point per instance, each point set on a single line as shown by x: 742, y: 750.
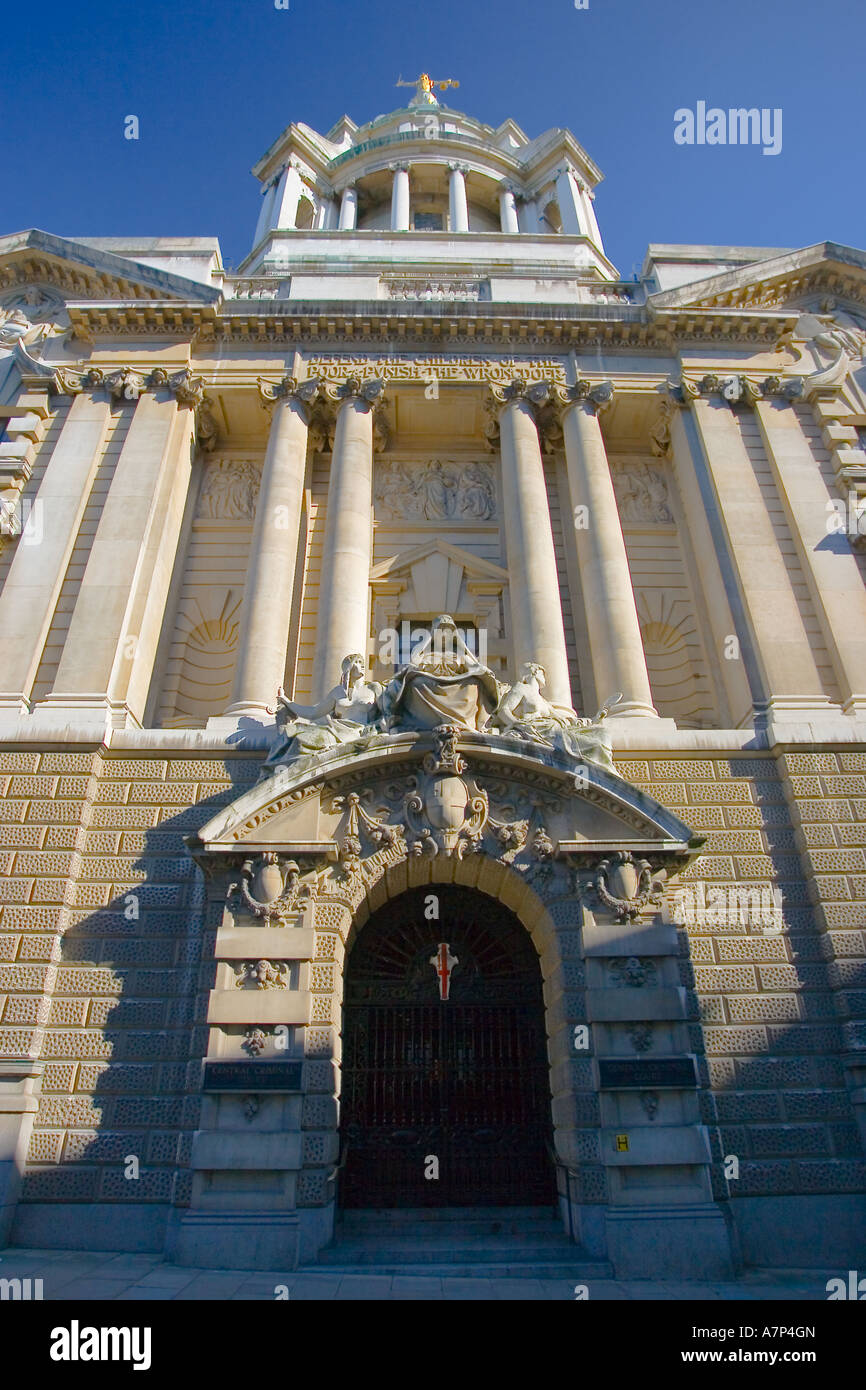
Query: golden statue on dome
x: 424, y: 88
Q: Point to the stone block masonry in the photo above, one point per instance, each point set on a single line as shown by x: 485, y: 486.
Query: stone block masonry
x: 107, y: 960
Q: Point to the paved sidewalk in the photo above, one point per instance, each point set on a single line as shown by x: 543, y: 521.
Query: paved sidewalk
x: 79, y: 1275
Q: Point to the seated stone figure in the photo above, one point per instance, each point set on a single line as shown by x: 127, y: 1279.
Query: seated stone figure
x: 524, y: 713
x: 347, y: 713
x: 443, y: 683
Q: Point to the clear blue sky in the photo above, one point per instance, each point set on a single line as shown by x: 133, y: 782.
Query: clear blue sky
x: 214, y: 81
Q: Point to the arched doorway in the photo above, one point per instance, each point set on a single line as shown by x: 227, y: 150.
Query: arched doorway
x: 444, y: 1057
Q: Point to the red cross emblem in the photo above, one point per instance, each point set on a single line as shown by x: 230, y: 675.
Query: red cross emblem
x: 443, y: 963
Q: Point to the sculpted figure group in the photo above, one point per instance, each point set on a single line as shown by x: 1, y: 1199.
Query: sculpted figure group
x: 442, y: 683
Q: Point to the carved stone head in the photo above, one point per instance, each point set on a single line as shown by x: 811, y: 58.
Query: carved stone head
x: 531, y: 670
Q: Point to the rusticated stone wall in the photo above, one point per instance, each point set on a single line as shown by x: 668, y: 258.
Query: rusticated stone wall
x: 106, y: 960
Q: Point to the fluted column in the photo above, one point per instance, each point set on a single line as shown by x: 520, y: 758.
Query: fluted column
x: 32, y: 587
x: 269, y: 589
x: 612, y: 623
x: 508, y: 209
x: 349, y: 209
x: 537, y: 632
x: 343, y: 624
x: 110, y: 649
x: 400, y: 198
x: 457, y: 205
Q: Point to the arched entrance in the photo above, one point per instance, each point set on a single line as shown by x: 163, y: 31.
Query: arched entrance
x: 444, y: 1058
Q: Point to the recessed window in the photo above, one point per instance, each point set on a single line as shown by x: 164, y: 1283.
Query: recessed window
x: 428, y: 222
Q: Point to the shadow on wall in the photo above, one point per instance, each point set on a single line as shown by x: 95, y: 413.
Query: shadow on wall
x: 121, y: 1095
x: 770, y: 1047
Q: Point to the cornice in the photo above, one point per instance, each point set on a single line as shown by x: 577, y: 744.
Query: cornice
x: 386, y: 322
x: 828, y: 268
x: 86, y: 272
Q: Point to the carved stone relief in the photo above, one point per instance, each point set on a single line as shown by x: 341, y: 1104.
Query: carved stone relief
x: 641, y: 494
x: 443, y: 489
x: 229, y: 490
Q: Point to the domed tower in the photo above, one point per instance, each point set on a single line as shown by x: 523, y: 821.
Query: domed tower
x: 431, y: 194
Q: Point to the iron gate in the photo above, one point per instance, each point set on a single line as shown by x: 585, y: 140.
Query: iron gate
x: 462, y: 1080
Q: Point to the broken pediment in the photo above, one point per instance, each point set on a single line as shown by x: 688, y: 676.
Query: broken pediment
x: 347, y: 817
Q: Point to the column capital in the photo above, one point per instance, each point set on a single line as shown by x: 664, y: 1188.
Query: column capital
x: 370, y: 391
x: 400, y: 166
x: 129, y: 383
x: 737, y: 388
x: 457, y: 166
x: 288, y: 388
x: 536, y: 396
x: 594, y: 397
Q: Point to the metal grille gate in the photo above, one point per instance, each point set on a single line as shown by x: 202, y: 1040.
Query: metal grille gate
x: 463, y: 1079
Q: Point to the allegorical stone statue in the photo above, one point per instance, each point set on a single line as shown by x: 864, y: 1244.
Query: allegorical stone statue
x: 443, y: 683
x: 346, y: 714
x: 523, y: 711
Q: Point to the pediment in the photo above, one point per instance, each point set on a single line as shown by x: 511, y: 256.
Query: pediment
x: 306, y: 811
x: 71, y: 271
x: 799, y: 281
x: 437, y: 570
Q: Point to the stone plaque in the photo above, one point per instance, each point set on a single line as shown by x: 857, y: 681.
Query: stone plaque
x: 252, y: 1076
x: 630, y: 1073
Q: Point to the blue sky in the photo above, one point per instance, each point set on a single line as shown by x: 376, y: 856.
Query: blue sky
x: 213, y: 83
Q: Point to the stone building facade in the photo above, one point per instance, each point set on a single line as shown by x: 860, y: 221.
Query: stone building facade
x: 427, y: 391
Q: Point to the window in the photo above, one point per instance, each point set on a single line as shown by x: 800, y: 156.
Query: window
x: 428, y: 222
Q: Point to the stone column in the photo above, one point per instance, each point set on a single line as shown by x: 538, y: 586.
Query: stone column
x: 110, y: 649
x: 29, y: 596
x: 612, y: 623
x: 263, y: 226
x: 734, y: 675
x: 537, y: 633
x: 826, y: 558
x: 343, y: 625
x: 786, y: 669
x: 457, y: 206
x: 286, y: 198
x: 587, y: 217
x: 568, y: 198
x: 508, y: 209
x: 349, y: 209
x: 268, y: 592
x: 400, y: 198
x: 530, y: 221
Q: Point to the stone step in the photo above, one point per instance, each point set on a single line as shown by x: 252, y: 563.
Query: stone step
x: 580, y: 1270
x: 469, y: 1220
x: 426, y: 1252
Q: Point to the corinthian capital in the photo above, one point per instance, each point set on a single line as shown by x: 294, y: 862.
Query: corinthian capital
x: 304, y: 392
